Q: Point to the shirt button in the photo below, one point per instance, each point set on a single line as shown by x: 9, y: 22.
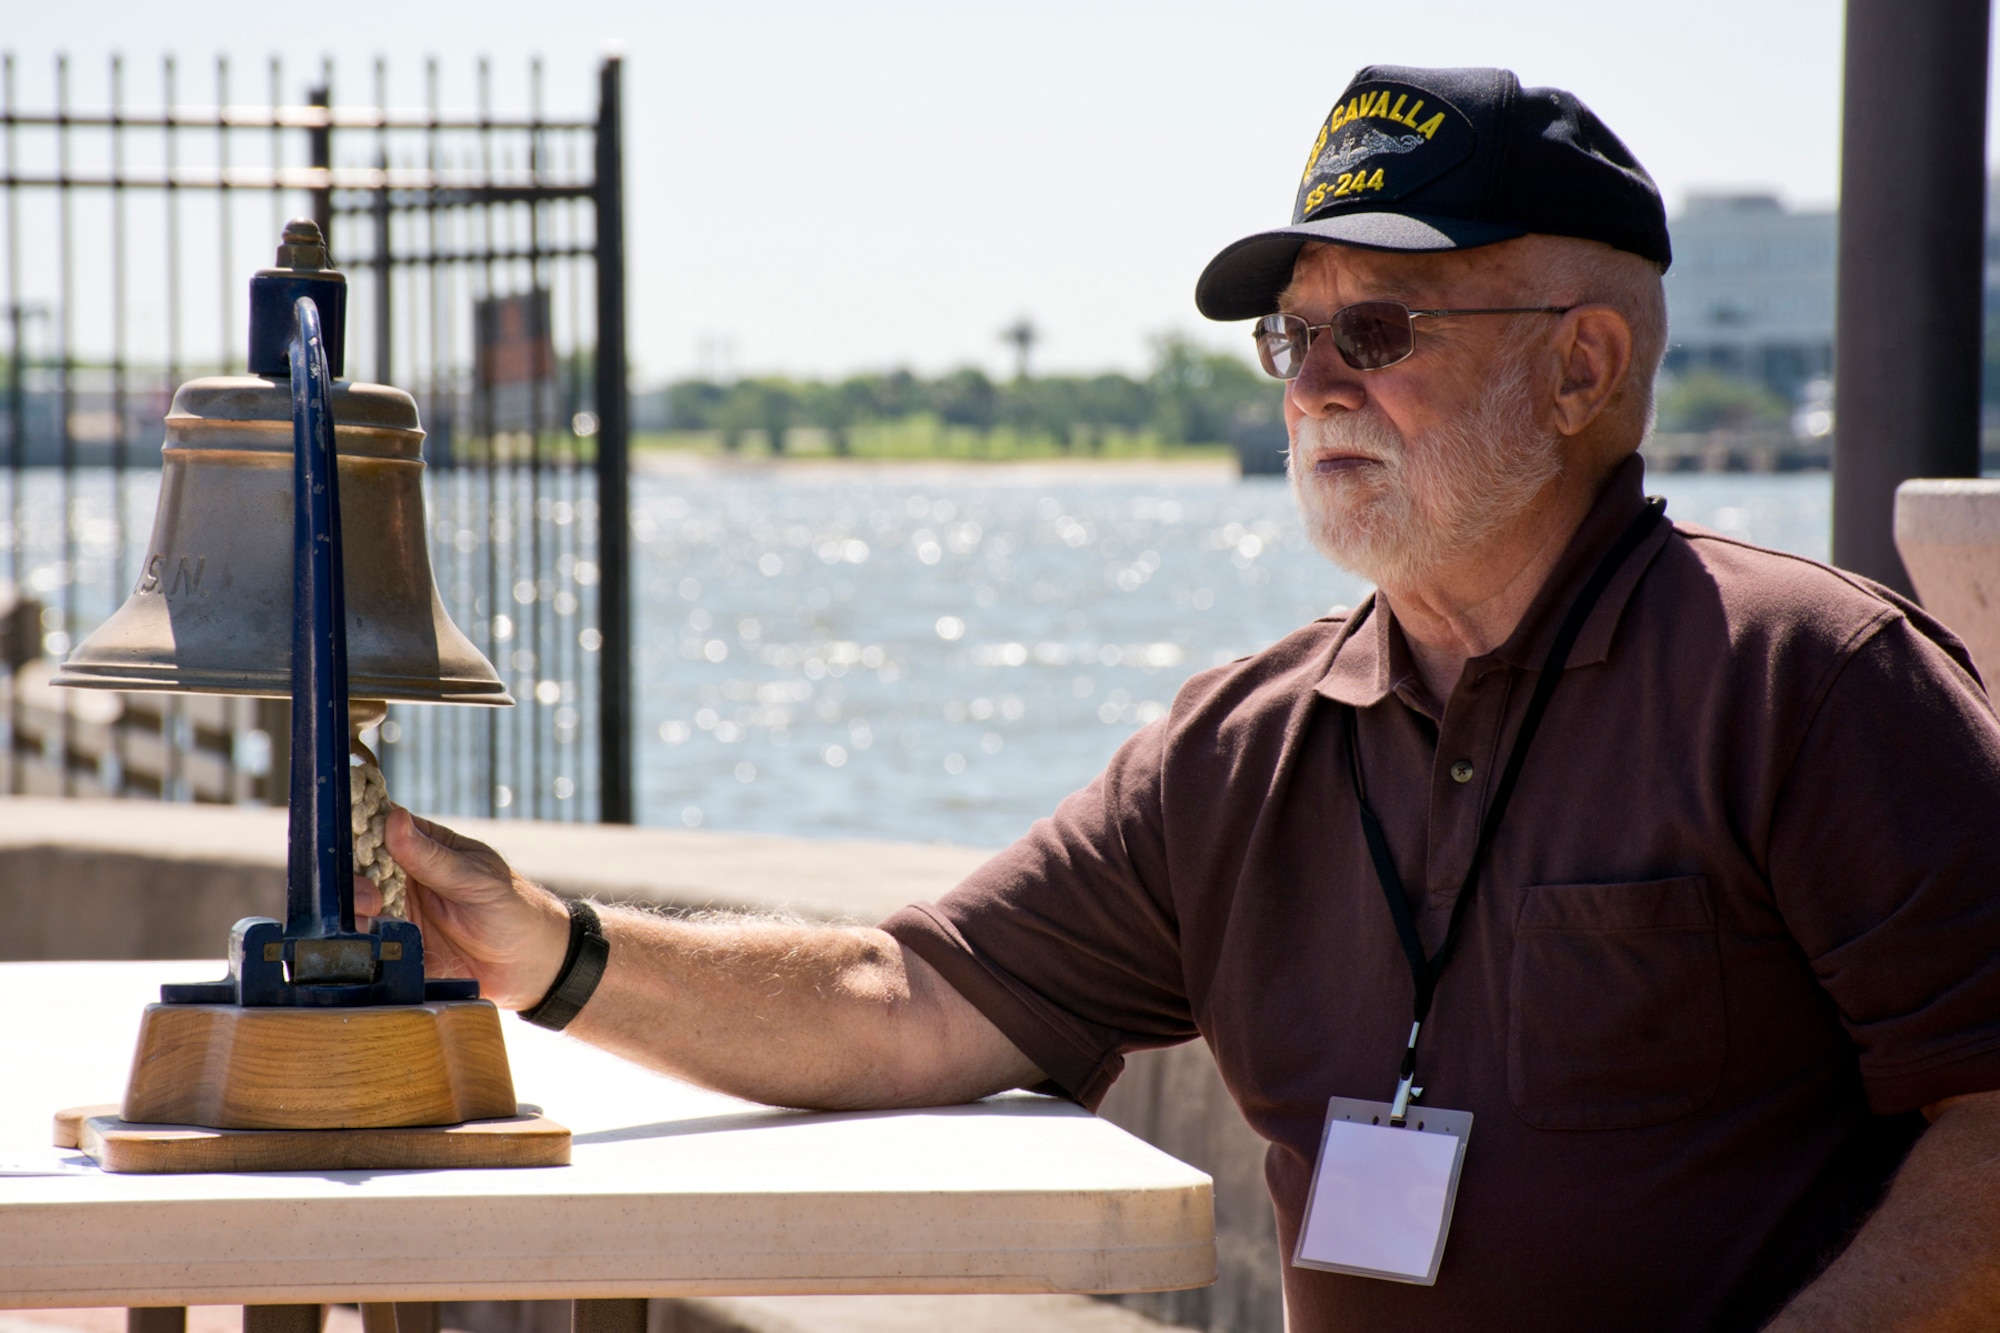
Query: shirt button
x: 1462, y: 771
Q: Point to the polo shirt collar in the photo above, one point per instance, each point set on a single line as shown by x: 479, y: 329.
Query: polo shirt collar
x: 1370, y: 659
x: 1362, y: 672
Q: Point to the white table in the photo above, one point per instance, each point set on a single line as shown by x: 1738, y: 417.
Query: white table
x: 672, y: 1192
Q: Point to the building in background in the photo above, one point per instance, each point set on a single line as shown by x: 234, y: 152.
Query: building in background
x: 1750, y: 296
x: 1750, y: 311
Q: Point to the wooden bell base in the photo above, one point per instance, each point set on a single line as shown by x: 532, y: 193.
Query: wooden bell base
x: 218, y: 1087
x: 527, y: 1139
x: 223, y: 1066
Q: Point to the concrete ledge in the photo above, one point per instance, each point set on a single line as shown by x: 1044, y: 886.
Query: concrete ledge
x: 141, y: 879
x: 1948, y: 534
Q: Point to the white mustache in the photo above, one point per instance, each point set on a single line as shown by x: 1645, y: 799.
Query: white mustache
x: 1346, y: 435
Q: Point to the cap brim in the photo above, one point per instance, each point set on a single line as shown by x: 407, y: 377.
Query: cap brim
x: 1244, y: 280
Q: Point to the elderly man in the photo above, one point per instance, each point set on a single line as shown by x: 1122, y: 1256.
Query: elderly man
x: 1669, y: 861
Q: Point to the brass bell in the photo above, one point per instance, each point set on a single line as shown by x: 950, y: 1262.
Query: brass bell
x: 212, y: 610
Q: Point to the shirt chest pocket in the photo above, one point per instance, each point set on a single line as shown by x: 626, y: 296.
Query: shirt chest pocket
x: 1615, y: 1004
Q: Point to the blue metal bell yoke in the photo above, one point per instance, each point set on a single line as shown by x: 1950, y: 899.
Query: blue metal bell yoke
x: 317, y: 958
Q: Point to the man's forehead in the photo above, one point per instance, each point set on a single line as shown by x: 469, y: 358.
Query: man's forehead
x: 1350, y: 273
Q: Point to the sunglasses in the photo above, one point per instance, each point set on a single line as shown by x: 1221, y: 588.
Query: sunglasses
x: 1368, y: 335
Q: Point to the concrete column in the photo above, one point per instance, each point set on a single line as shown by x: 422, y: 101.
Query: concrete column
x: 1912, y: 264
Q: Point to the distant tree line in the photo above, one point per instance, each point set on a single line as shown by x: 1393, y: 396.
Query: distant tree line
x: 1709, y: 400
x: 1191, y: 396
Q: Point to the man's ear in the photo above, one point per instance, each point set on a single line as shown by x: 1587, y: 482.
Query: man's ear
x: 1595, y: 346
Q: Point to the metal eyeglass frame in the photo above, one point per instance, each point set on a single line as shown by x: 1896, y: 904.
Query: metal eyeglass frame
x: 1310, y: 331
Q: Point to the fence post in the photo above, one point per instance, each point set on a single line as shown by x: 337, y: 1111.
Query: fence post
x: 1912, y: 264
x: 385, y: 315
x: 614, y: 589
x: 320, y: 149
x: 17, y: 457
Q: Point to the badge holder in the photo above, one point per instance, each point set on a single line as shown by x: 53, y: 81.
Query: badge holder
x: 1381, y: 1198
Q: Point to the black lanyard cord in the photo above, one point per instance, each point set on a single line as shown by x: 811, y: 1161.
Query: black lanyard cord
x: 1425, y: 971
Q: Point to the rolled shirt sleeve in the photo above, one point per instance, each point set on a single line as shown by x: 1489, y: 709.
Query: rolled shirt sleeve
x: 1885, y: 862
x: 1080, y: 911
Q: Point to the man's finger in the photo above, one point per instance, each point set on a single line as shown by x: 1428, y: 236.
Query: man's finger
x: 423, y: 856
x: 441, y: 835
x: 367, y: 897
x: 441, y: 957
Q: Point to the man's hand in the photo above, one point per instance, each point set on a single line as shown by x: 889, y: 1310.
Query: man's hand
x: 479, y: 918
x: 793, y: 1014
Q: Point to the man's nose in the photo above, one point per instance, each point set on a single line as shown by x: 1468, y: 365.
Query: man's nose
x: 1326, y: 383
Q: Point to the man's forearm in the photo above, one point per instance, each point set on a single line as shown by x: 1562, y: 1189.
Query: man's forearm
x: 791, y: 1014
x: 1930, y: 1256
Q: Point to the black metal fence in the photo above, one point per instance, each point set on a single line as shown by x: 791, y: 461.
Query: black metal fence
x: 485, y: 258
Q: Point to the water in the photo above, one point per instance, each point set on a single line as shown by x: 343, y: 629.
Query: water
x: 924, y: 654
x: 946, y: 659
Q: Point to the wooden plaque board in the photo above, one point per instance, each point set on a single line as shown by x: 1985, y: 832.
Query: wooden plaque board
x: 528, y: 1139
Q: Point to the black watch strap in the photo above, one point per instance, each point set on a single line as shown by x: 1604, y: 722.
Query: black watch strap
x: 582, y: 969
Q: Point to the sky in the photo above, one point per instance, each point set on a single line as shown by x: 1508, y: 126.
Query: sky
x: 818, y: 188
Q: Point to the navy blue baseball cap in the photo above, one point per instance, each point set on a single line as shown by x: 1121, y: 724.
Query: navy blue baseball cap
x: 1446, y: 159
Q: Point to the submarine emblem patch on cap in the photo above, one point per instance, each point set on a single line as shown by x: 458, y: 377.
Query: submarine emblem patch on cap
x: 1381, y: 141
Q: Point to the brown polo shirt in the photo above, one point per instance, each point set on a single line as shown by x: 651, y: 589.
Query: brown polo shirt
x: 1741, y: 922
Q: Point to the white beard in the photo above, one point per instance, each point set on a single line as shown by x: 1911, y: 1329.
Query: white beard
x: 1424, y: 507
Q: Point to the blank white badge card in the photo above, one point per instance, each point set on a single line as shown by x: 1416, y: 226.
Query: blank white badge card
x: 1381, y: 1196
